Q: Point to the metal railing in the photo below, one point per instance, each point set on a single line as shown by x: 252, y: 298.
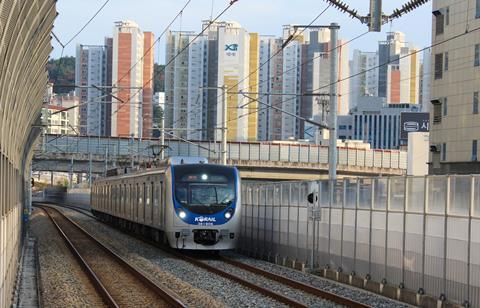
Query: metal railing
x: 239, y: 151
x: 419, y: 233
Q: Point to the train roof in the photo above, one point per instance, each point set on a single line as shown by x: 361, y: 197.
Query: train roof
x: 158, y: 170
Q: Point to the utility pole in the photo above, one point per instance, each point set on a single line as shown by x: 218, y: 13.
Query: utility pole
x: 223, y: 158
x: 162, y: 137
x: 224, y: 125
x: 332, y: 149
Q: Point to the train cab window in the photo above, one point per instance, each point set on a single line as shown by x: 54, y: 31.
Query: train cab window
x: 206, y: 189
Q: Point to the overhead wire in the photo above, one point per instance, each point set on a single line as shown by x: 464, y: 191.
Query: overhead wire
x: 383, y: 64
x: 231, y: 3
x: 88, y: 22
x: 179, y: 15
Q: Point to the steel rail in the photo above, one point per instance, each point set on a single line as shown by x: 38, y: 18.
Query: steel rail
x: 269, y: 293
x: 105, y: 295
x: 170, y: 298
x: 280, y: 279
x: 295, y: 284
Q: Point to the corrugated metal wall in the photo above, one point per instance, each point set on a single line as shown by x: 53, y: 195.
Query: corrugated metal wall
x: 24, y: 48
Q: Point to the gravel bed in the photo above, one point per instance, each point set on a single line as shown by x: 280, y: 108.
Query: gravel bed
x: 297, y: 295
x: 351, y: 292
x: 64, y: 284
x: 124, y: 287
x: 199, y: 287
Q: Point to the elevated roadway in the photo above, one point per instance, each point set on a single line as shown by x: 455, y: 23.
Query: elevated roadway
x: 255, y: 160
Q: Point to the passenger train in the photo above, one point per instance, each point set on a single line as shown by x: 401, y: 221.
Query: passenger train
x: 186, y: 203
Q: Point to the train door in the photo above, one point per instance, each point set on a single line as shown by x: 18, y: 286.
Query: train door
x: 127, y: 199
x: 109, y: 200
x: 155, y: 208
x: 116, y: 199
x: 135, y: 206
x: 141, y: 204
x: 152, y: 195
x: 130, y: 201
x: 124, y: 199
x: 163, y: 205
x: 147, y: 197
x: 102, y: 201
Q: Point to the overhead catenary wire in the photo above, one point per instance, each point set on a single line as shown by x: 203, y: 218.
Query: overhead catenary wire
x: 285, y: 72
x: 292, y: 37
x: 179, y: 15
x: 87, y: 23
x: 397, y: 59
x: 232, y: 2
x: 380, y: 65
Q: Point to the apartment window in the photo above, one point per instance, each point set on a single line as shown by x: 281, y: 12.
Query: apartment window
x: 475, y: 102
x: 439, y: 22
x: 444, y: 152
x: 439, y: 66
x: 437, y: 111
x: 447, y: 16
x: 446, y: 61
x: 477, y: 54
x: 474, y: 150
x: 445, y: 107
x: 477, y: 12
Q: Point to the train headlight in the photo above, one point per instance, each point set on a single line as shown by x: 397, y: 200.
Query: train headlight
x: 204, y: 177
x: 182, y: 214
x: 228, y: 215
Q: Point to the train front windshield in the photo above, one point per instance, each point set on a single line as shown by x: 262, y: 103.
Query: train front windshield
x: 204, y: 189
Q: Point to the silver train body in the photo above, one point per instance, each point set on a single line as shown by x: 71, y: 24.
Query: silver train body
x: 189, y: 206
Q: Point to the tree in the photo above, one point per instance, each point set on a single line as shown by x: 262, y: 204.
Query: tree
x: 61, y: 72
x: 158, y: 78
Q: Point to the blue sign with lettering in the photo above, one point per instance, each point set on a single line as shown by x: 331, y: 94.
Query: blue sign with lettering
x: 231, y: 47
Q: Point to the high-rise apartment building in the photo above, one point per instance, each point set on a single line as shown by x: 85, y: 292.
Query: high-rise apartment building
x: 303, y: 66
x: 426, y: 80
x: 455, y: 92
x: 226, y: 56
x: 364, y: 69
x: 184, y: 77
x: 237, y: 64
x: 132, y: 79
x: 403, y: 82
x: 388, y: 53
x: 93, y: 75
x: 268, y: 73
x: 269, y: 82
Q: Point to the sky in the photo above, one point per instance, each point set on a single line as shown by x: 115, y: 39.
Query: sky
x: 265, y: 17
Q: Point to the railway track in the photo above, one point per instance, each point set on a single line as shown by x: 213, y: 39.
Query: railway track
x: 307, y: 289
x: 294, y: 284
x: 119, y: 283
